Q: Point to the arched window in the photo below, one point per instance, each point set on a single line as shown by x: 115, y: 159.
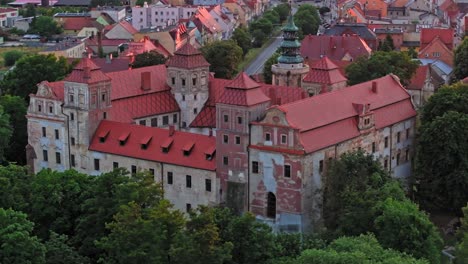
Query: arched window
x: 271, y: 205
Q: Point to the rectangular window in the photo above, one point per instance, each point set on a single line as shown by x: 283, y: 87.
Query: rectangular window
x: 151, y: 171
x: 72, y: 140
x: 72, y: 160
x: 169, y: 177
x: 57, y: 136
x: 104, y: 115
x: 321, y: 166
x: 239, y: 120
x: 134, y: 169
x: 407, y: 155
x: 183, y: 97
x: 283, y: 139
x: 208, y: 185
x: 225, y: 139
x: 225, y: 160
x: 45, y: 155
x: 188, y: 207
x: 72, y: 98
x: 287, y: 171
x: 165, y: 120
x: 386, y: 163
x: 254, y: 166
x: 44, y: 132
x: 183, y: 82
x: 103, y: 97
x: 154, y: 122
x: 226, y: 118
x: 97, y: 165
x: 174, y: 118
x: 195, y: 97
x: 195, y: 111
x: 398, y: 159
x: 58, y: 159
x: 72, y: 116
x: 188, y: 181
x: 386, y: 142
x: 51, y: 109
x: 373, y: 147
x: 194, y: 81
x: 238, y: 140
x: 407, y: 133
x: 115, y: 165
x: 267, y: 136
x: 142, y: 122
x: 173, y: 80
x: 398, y: 137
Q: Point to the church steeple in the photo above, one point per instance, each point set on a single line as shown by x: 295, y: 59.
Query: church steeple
x: 290, y: 46
x: 290, y: 69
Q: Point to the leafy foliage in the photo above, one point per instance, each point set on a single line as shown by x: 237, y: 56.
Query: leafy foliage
x: 223, y: 56
x: 387, y: 44
x: 17, y: 243
x: 307, y: 20
x: 10, y: 57
x: 5, y: 132
x: 460, y: 70
x: 283, y: 11
x: 148, y: 59
x: 16, y: 108
x: 267, y: 74
x: 447, y: 98
x: 462, y: 246
x: 243, y: 38
x: 380, y: 64
x: 260, y: 29
x: 45, y: 26
x: 15, y: 187
x: 31, y: 70
x: 59, y: 251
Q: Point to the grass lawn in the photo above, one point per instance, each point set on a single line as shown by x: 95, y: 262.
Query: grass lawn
x: 21, y: 48
x: 251, y: 54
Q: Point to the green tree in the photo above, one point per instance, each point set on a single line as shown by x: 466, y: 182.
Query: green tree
x: 223, y: 56
x: 462, y: 233
x: 272, y: 16
x: 139, y: 235
x: 148, y: 59
x: 261, y: 30
x: 460, y: 70
x: 380, y: 64
x: 401, y: 226
x: 17, y: 244
x: 5, y: 133
x: 56, y: 200
x: 412, y: 53
x: 447, y: 98
x: 200, y: 243
x: 15, y: 187
x: 59, y: 252
x: 267, y: 74
x: 283, y: 11
x: 243, y: 38
x: 31, y: 70
x: 45, y: 26
x: 364, y: 249
x: 259, y: 37
x: 16, y: 108
x: 387, y: 44
x: 10, y: 57
x: 442, y: 161
x: 307, y: 20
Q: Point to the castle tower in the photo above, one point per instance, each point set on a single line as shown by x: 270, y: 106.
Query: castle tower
x: 187, y: 75
x: 87, y: 101
x: 290, y: 69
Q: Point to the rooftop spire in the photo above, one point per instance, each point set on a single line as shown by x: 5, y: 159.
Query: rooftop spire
x: 290, y: 53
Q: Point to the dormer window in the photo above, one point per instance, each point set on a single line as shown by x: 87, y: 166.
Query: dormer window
x: 166, y: 145
x: 187, y: 149
x: 209, y: 153
x: 145, y: 142
x: 124, y: 138
x: 103, y: 136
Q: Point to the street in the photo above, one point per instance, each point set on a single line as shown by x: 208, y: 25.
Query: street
x: 256, y: 66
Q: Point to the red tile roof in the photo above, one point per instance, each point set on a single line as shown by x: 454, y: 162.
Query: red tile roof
x: 243, y: 91
x: 206, y: 117
x: 428, y: 34
x: 153, y: 152
x: 334, y: 47
x: 419, y: 78
x: 78, y: 23
x: 187, y: 57
x: 80, y: 74
x: 106, y: 42
x: 57, y: 89
x: 331, y: 117
x: 324, y: 71
x: 126, y: 26
x: 112, y: 65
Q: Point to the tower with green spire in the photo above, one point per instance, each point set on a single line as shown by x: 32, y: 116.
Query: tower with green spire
x: 290, y: 69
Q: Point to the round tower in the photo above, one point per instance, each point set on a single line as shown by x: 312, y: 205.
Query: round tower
x: 290, y: 69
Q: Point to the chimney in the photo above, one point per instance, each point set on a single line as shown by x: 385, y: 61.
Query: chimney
x: 146, y: 81
x: 87, y: 72
x: 171, y: 130
x: 374, y: 87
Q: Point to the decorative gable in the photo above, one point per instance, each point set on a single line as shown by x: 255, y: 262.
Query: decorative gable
x: 365, y: 116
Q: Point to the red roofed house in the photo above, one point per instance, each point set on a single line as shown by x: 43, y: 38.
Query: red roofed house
x: 292, y: 146
x: 144, y: 45
x: 324, y: 76
x: 423, y: 84
x: 437, y: 44
x: 121, y: 30
x: 162, y: 119
x: 334, y: 47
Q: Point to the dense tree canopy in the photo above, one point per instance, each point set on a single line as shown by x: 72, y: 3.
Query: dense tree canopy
x: 148, y: 59
x: 282, y: 10
x: 16, y: 108
x: 10, y: 57
x: 267, y: 74
x: 223, y: 56
x: 380, y: 64
x: 307, y: 20
x: 243, y: 38
x: 460, y: 70
x: 260, y: 30
x: 462, y: 245
x: 31, y: 70
x: 45, y: 26
x: 5, y: 133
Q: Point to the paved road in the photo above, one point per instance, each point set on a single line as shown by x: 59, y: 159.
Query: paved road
x: 256, y: 66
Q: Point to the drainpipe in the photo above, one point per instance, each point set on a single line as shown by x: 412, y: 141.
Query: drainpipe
x: 248, y: 166
x: 162, y: 177
x: 391, y: 156
x: 68, y: 137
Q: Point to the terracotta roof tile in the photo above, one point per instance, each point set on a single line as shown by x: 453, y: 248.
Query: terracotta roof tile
x: 187, y: 57
x: 153, y: 152
x: 80, y: 75
x: 445, y: 35
x: 419, y: 78
x: 206, y: 117
x: 334, y: 47
x: 324, y: 71
x: 243, y: 91
x: 78, y: 23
